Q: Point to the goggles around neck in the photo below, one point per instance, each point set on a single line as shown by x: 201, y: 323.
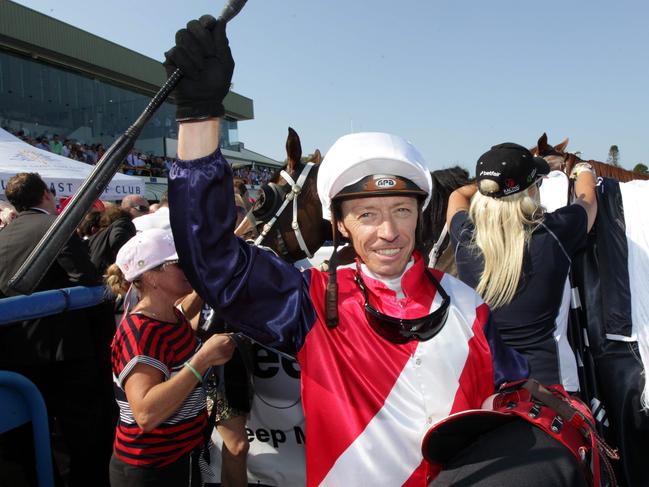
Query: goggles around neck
x: 401, y: 330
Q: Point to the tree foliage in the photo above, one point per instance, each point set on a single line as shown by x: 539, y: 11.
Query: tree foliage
x: 613, y: 156
x: 642, y: 168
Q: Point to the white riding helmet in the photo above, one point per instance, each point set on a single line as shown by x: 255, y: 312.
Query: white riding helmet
x: 372, y: 164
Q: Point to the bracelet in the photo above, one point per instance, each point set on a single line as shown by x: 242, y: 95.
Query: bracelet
x: 194, y: 371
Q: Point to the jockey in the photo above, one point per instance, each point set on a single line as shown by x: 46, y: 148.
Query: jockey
x: 387, y: 347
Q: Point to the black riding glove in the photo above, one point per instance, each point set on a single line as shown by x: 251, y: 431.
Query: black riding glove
x: 203, y: 55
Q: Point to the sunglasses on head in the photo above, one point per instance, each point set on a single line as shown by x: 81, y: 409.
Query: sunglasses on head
x: 401, y: 330
x: 141, y: 208
x: 166, y: 264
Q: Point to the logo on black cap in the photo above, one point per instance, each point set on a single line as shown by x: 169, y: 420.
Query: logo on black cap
x: 512, y: 166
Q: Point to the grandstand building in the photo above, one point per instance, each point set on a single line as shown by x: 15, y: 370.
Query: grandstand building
x: 58, y: 79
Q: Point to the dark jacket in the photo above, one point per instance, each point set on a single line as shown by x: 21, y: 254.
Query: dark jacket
x: 105, y: 244
x: 54, y: 338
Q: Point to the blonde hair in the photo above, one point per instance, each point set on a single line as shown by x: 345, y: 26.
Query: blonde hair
x: 503, y: 227
x: 116, y: 281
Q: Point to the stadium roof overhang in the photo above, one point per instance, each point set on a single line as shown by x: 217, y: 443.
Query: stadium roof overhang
x: 34, y: 34
x: 245, y: 157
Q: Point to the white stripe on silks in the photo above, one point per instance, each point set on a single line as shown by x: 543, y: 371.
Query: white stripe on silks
x: 636, y: 219
x: 389, y: 448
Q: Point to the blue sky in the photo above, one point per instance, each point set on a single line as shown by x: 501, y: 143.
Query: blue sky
x: 453, y: 76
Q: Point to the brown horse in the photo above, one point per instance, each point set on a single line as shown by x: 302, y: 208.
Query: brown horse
x: 559, y: 159
x: 287, y: 215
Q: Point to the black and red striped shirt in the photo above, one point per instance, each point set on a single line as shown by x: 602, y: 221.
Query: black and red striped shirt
x: 166, y: 347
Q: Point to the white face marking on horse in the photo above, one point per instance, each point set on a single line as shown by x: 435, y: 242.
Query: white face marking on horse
x: 555, y: 162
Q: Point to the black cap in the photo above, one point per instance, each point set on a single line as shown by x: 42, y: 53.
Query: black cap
x: 512, y: 166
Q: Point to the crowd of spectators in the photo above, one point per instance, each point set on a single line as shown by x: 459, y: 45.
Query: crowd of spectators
x: 49, y: 353
x: 254, y: 176
x: 72, y: 149
x: 142, y: 164
x: 137, y: 163
x: 86, y: 257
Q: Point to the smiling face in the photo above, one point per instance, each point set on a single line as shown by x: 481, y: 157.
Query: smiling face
x: 382, y: 231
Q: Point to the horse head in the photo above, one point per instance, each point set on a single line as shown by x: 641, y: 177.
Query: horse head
x: 288, y: 211
x: 556, y: 156
x: 559, y: 159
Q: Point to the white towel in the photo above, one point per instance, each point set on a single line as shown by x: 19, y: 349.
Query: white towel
x: 554, y: 195
x: 635, y: 198
x: 554, y: 191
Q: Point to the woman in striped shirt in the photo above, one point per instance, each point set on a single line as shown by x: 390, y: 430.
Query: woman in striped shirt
x: 158, y: 366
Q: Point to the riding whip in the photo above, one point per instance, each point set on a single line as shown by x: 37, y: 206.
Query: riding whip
x: 48, y: 248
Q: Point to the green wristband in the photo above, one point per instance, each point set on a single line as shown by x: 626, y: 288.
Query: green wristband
x: 194, y: 371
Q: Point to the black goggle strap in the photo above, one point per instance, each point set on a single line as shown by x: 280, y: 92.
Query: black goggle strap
x: 438, y: 286
x: 441, y: 310
x: 331, y: 295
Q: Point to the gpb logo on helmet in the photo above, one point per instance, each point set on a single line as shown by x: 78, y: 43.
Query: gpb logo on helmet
x: 385, y: 183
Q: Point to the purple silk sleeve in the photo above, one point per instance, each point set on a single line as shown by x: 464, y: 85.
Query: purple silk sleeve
x: 257, y: 293
x: 509, y: 365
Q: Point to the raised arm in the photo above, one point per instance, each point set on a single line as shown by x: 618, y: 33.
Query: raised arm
x: 198, y: 139
x: 585, y: 182
x: 256, y: 292
x: 460, y: 200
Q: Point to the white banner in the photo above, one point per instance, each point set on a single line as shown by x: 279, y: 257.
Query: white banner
x: 63, y: 175
x: 275, y: 427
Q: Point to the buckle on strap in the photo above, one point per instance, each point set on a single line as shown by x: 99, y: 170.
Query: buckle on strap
x: 534, y: 411
x: 557, y: 424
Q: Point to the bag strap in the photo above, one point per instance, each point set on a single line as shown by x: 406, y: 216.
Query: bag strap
x: 545, y: 396
x: 600, y: 450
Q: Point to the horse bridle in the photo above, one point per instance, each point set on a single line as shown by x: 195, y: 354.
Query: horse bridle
x: 288, y: 196
x: 437, y: 248
x: 568, y: 161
